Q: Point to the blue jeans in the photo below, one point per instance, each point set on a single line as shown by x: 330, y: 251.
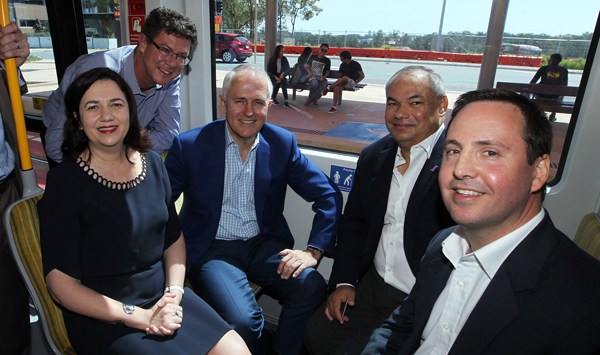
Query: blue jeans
x: 316, y: 88
x: 221, y: 277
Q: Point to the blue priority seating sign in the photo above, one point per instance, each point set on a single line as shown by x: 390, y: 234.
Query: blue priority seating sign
x: 342, y: 176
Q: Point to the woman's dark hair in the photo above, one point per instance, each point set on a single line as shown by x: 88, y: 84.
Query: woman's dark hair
x: 75, y: 141
x: 276, y: 52
x: 306, y: 53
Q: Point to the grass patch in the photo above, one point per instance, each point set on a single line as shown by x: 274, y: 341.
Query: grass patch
x: 569, y: 63
x: 33, y: 58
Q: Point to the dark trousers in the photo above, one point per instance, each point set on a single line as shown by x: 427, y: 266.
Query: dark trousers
x: 283, y: 85
x: 14, y: 312
x: 221, y: 277
x: 375, y: 301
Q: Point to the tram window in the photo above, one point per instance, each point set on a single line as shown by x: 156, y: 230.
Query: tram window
x: 102, y: 29
x: 529, y: 33
x: 39, y: 70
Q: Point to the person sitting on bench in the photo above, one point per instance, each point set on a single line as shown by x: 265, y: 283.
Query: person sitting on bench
x: 551, y: 74
x: 351, y: 73
x: 317, y: 67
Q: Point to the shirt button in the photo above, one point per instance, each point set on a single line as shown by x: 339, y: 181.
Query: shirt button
x: 446, y: 326
x: 460, y: 284
x: 391, y: 243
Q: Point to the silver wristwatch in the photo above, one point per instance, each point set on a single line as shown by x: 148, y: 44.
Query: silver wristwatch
x: 128, y: 308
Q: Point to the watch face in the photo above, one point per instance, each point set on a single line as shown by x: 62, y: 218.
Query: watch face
x: 128, y: 308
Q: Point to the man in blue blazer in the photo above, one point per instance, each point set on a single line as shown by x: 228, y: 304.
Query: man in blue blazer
x: 234, y: 174
x: 393, y: 211
x: 505, y: 280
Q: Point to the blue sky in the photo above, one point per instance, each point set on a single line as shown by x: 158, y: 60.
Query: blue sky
x: 552, y: 17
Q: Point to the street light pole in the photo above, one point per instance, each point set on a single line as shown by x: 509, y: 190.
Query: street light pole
x: 255, y: 28
x: 438, y: 44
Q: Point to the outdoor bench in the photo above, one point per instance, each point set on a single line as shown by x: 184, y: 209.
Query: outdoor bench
x: 331, y: 78
x: 559, y: 104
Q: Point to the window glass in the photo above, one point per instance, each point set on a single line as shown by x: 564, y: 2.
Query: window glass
x: 39, y: 70
x: 435, y: 35
x: 102, y: 28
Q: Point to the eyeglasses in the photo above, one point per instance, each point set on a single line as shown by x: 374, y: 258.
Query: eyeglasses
x: 165, y: 52
x: 324, y: 50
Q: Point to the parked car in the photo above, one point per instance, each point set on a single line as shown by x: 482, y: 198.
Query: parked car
x: 230, y: 46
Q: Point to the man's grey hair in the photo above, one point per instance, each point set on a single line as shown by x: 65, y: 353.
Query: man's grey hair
x: 435, y: 80
x: 251, y: 70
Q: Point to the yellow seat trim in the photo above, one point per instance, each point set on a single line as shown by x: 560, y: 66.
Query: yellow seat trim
x: 23, y: 229
x: 587, y: 236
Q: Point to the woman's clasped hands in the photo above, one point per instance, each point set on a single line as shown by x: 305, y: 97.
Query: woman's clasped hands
x: 166, y: 316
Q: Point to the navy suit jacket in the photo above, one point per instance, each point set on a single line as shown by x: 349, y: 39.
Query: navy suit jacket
x: 544, y: 299
x: 363, y: 217
x: 196, y: 167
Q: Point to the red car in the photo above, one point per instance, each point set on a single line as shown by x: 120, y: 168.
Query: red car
x: 230, y: 46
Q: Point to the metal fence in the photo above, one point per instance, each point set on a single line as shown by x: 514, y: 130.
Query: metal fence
x: 454, y: 43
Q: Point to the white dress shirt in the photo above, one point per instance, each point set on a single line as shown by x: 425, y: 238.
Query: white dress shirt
x: 390, y: 260
x: 468, y: 281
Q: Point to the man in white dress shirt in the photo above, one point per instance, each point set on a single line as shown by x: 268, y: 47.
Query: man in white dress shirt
x: 505, y: 280
x: 393, y: 211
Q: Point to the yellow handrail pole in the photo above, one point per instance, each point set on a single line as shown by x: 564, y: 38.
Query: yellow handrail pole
x: 30, y: 186
x: 14, y: 90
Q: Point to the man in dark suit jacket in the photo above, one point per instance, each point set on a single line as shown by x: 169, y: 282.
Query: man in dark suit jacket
x: 505, y: 281
x: 234, y: 174
x: 392, y: 212
x: 14, y: 331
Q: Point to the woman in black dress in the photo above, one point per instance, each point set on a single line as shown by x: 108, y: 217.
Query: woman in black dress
x: 113, y: 253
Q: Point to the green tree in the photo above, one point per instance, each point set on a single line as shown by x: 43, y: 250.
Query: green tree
x: 306, y: 9
x: 38, y: 27
x: 238, y: 15
x: 378, y: 39
x: 282, y: 10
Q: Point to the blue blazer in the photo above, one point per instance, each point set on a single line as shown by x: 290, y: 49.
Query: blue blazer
x: 196, y: 167
x: 544, y: 299
x: 362, y: 221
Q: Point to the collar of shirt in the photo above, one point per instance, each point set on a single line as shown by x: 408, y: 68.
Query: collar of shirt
x: 491, y: 256
x: 426, y: 144
x: 229, y: 139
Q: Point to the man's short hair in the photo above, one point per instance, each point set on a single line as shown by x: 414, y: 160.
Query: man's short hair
x: 538, y: 130
x: 171, y: 22
x: 556, y: 58
x: 346, y: 55
x: 435, y: 80
x: 246, y: 68
x: 324, y: 45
